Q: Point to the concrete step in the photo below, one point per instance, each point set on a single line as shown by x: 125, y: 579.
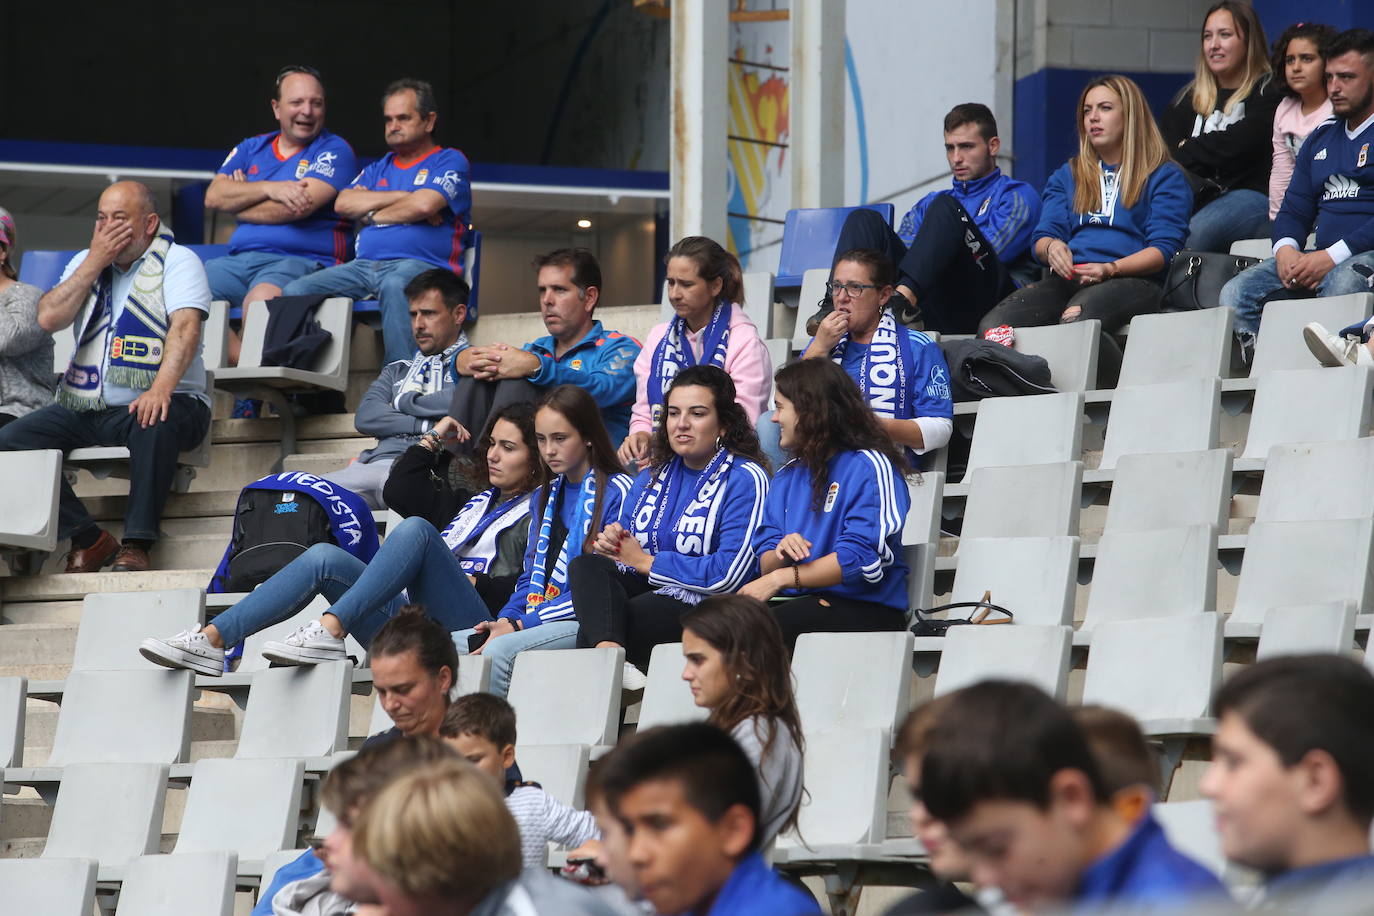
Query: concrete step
x: 188, y: 551
x: 24, y: 817
x: 22, y: 847
x: 196, y: 504
x: 40, y: 612
x: 75, y: 586
x: 318, y: 463
x: 25, y: 645
x: 268, y: 429
x: 208, y: 724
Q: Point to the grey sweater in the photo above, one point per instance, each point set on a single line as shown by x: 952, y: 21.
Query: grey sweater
x: 398, y: 423
x: 780, y: 773
x: 27, y: 381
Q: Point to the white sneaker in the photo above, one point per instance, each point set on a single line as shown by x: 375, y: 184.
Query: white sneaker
x: 632, y: 679
x: 309, y: 645
x: 189, y: 649
x: 1333, y: 350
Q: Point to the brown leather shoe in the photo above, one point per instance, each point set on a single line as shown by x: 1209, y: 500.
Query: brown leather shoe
x: 131, y: 559
x: 94, y: 556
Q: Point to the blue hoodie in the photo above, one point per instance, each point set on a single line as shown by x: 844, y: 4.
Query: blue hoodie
x: 1004, y: 209
x: 1143, y: 870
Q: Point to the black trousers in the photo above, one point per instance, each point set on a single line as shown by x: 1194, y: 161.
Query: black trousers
x: 951, y: 266
x: 612, y: 606
x: 825, y: 613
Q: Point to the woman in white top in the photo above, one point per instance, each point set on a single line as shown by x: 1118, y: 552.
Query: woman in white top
x: 1300, y: 72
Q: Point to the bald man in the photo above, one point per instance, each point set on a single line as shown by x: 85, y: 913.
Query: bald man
x: 136, y: 379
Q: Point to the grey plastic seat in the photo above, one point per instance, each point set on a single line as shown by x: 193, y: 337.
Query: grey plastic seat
x: 1309, y: 405
x: 1034, y: 577
x: 812, y: 291
x: 1038, y: 655
x: 274, y: 862
x: 48, y: 887
x: 568, y: 696
x: 474, y: 675
x: 297, y: 711
x: 1191, y: 829
x: 114, y: 623
x: 1170, y: 490
x: 921, y: 535
x: 1302, y: 563
x: 843, y: 813
x: 28, y: 513
x: 852, y: 680
x: 249, y: 807
x: 214, y: 336
x: 1318, y: 628
x: 1037, y: 500
x: 253, y: 660
x: 1175, y: 346
x: 560, y: 769
x: 1039, y: 429
x: 1280, y: 344
x: 758, y: 300
x: 1161, y: 573
x: 779, y: 352
x: 190, y: 884
x: 110, y: 812
x: 1321, y: 480
x: 14, y: 692
x: 1182, y: 416
x: 1070, y: 349
x: 667, y: 697
x: 1251, y: 248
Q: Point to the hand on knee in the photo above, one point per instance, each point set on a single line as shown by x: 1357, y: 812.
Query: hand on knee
x: 1072, y: 313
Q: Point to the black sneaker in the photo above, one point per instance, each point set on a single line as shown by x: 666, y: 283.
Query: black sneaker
x: 824, y: 307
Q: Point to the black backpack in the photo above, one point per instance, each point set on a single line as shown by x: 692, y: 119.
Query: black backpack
x: 272, y: 528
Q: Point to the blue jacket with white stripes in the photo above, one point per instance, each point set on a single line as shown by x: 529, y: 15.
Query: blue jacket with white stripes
x: 1004, y: 209
x: 860, y: 521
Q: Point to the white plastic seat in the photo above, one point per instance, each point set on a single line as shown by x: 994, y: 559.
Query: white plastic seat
x: 249, y: 807
x: 14, y: 693
x: 1033, y: 577
x: 1191, y: 829
x: 1170, y: 490
x: 50, y: 887
x: 1038, y: 429
x: 1302, y: 563
x: 1309, y: 405
x: 1280, y: 344
x: 1318, y: 480
x: 1160, y: 573
x: 1037, y: 500
x: 1317, y: 628
x: 28, y: 513
x: 1070, y: 349
x: 812, y: 292
x: 190, y: 884
x: 852, y: 680
x: 474, y: 675
x: 114, y: 623
x: 275, y: 860
x: 297, y: 711
x: 1038, y: 655
x: 110, y: 812
x: 921, y: 536
x: 779, y: 352
x: 1160, y: 670
x: 568, y: 696
x: 560, y: 769
x: 1182, y: 416
x: 758, y: 301
x: 1175, y: 346
x: 667, y: 697
x: 214, y: 337
x: 844, y: 806
x: 1251, y: 248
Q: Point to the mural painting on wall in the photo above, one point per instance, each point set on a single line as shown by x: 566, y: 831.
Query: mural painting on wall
x: 758, y: 174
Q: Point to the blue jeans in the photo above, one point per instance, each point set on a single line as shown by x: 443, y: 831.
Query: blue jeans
x: 364, y: 595
x: 770, y: 440
x: 556, y: 634
x: 232, y: 276
x: 1249, y: 290
x: 1235, y: 215
x: 383, y: 280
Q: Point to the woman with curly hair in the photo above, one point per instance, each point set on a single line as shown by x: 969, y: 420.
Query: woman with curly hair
x: 1300, y: 71
x: 683, y: 532
x: 830, y: 542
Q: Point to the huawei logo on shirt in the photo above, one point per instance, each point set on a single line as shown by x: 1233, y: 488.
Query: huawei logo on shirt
x: 1339, y: 187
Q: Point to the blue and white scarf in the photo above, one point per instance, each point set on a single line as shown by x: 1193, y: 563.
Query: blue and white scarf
x: 674, y: 353
x: 473, y: 532
x: 886, y: 367
x: 426, y: 374
x: 693, y: 531
x: 548, y: 591
x: 136, y: 341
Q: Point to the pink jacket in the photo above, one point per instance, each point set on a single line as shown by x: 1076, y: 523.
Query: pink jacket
x: 746, y: 361
x: 1291, y: 127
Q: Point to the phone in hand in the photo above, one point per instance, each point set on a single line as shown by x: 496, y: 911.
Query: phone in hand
x: 476, y: 640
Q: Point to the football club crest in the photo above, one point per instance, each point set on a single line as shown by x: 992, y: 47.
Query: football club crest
x: 421, y: 176
x: 301, y: 167
x: 1363, y: 157
x: 830, y: 496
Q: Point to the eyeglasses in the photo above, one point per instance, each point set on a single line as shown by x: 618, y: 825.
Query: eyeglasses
x: 853, y: 290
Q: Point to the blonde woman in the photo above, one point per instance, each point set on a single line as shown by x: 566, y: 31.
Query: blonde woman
x: 1114, y: 216
x: 1219, y: 128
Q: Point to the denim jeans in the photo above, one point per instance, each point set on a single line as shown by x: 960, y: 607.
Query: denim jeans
x: 1235, y: 215
x: 361, y: 279
x: 364, y: 595
x: 556, y: 634
x: 152, y: 455
x: 1248, y: 291
x: 232, y: 276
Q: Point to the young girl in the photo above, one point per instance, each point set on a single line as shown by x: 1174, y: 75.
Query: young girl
x: 830, y: 542
x: 1218, y: 129
x: 683, y: 533
x: 1301, y: 72
x: 737, y: 667
x: 706, y: 290
x: 480, y: 552
x: 587, y: 487
x: 1114, y: 217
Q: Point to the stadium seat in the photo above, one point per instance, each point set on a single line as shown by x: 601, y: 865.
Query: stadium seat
x: 1037, y: 429
x: 568, y: 696
x: 1309, y: 405
x: 214, y: 337
x: 1034, y: 500
x: 812, y: 292
x: 560, y: 769
x: 1191, y: 827
x: 274, y: 862
x: 1038, y: 655
x: 252, y: 660
x: 667, y: 697
x: 1070, y: 349
x: 843, y: 813
x: 14, y: 693
x: 28, y: 513
x: 474, y: 675
x: 921, y: 536
x: 297, y: 711
x: 44, y: 268
x: 1169, y: 490
x: 1302, y: 563
x: 758, y: 300
x: 1174, y: 346
x: 190, y: 884
x: 809, y: 237
x: 852, y: 680
x: 1182, y: 416
x: 1033, y: 577
x: 249, y: 807
x: 1253, y: 248
x: 51, y: 887
x: 110, y: 812
x: 779, y: 352
x: 1280, y: 344
x: 1324, y: 480
x: 1325, y: 628
x: 1130, y: 582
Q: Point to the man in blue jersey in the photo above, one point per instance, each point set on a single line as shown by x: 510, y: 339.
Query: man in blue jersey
x: 1290, y: 780
x: 414, y: 205
x: 280, y: 187
x: 1332, y: 191
x: 956, y: 249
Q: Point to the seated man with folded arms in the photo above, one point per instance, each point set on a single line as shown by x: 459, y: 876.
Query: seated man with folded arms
x: 688, y: 799
x: 280, y: 186
x: 577, y: 351
x: 1010, y: 773
x: 135, y: 379
x: 1290, y: 779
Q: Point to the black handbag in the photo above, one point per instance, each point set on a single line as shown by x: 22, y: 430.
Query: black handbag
x: 1196, y: 278
x: 928, y: 625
